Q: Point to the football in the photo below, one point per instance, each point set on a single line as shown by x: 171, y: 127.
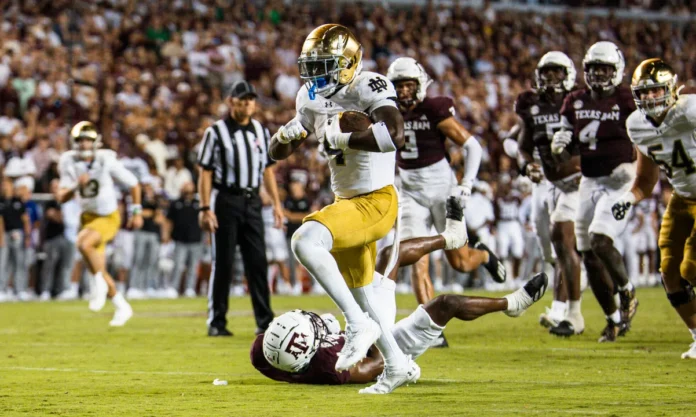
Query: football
x: 354, y: 121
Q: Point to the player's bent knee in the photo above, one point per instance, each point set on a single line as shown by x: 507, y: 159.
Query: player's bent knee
x: 684, y: 295
x: 687, y: 269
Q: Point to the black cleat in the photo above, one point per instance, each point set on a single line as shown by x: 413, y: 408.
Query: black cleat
x: 624, y: 327
x: 454, y: 209
x: 440, y: 342
x: 536, y: 287
x: 610, y: 332
x: 494, y: 266
x: 216, y: 331
x: 629, y: 305
x: 564, y: 329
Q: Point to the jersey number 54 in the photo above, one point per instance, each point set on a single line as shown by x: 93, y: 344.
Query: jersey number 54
x: 680, y: 158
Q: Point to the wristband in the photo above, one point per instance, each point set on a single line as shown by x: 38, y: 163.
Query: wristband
x: 384, y: 141
x: 204, y: 208
x: 136, y: 209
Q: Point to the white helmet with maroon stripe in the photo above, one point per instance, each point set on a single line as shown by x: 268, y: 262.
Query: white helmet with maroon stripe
x: 556, y: 59
x: 292, y: 339
x: 406, y: 68
x: 603, y: 53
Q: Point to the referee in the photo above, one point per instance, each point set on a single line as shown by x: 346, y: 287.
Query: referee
x: 233, y: 159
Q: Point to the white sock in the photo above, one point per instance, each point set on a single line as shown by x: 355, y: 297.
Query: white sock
x: 628, y: 286
x: 615, y: 317
x: 119, y: 301
x: 311, y: 245
x: 617, y: 299
x: 574, y: 308
x: 74, y: 286
x: 384, y: 289
x: 121, y: 287
x: 393, y: 356
x: 558, y: 308
x: 693, y: 333
x: 518, y: 300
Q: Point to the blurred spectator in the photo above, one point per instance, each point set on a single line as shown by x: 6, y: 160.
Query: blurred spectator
x: 176, y: 177
x: 187, y: 236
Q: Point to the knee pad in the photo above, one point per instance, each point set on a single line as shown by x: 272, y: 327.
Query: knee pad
x: 684, y: 296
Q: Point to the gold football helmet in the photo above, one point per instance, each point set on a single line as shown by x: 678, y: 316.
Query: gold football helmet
x: 331, y: 57
x: 82, y: 131
x: 654, y: 74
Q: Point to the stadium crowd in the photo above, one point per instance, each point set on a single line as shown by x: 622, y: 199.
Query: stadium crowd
x: 153, y: 75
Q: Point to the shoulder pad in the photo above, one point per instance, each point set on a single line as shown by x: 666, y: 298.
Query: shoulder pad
x: 105, y: 155
x: 371, y: 86
x: 302, y: 98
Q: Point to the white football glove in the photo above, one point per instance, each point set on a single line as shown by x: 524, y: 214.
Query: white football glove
x: 621, y: 207
x: 333, y: 137
x: 291, y: 131
x: 463, y: 191
x: 561, y: 139
x: 332, y: 323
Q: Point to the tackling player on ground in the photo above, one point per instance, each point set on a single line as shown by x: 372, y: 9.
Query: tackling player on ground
x: 663, y: 130
x: 596, y: 117
x: 426, y: 177
x: 88, y: 173
x: 302, y: 347
x: 337, y: 244
x: 539, y: 117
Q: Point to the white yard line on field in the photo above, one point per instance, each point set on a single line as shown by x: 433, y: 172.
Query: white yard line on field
x: 441, y: 380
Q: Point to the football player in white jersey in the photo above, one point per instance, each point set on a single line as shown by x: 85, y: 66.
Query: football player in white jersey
x: 88, y: 173
x: 663, y: 131
x: 337, y: 245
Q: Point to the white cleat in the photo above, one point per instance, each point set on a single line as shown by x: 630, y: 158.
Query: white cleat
x: 97, y: 297
x: 121, y: 316
x: 358, y: 339
x: 190, y: 293
x: 393, y: 379
x: 455, y: 227
x: 67, y: 295
x: 691, y: 353
x: 45, y: 296
x: 548, y: 320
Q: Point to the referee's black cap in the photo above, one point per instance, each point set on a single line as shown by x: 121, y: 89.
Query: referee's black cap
x: 242, y: 89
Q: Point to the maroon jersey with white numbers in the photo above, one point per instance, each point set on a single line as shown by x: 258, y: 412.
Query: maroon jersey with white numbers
x: 542, y: 118
x: 321, y: 369
x: 425, y: 144
x: 599, y: 129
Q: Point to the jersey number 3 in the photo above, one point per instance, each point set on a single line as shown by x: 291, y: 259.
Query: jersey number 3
x: 410, y: 150
x: 90, y: 190
x: 680, y: 159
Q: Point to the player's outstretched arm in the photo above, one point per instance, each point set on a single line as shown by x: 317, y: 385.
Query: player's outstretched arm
x: 385, y: 135
x: 646, y: 178
x: 288, y: 138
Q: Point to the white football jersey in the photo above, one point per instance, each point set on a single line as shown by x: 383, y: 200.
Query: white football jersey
x: 672, y: 145
x: 353, y: 172
x: 99, y: 196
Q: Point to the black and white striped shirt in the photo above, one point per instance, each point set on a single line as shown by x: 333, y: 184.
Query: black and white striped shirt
x: 236, y: 154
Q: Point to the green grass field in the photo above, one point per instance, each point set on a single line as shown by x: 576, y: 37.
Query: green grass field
x: 61, y: 359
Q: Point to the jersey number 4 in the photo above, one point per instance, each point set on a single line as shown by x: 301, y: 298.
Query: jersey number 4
x: 588, y: 134
x: 680, y: 159
x: 410, y: 150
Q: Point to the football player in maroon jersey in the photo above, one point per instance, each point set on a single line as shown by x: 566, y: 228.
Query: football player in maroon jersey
x: 596, y: 121
x: 539, y: 117
x: 302, y: 347
x: 427, y: 179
